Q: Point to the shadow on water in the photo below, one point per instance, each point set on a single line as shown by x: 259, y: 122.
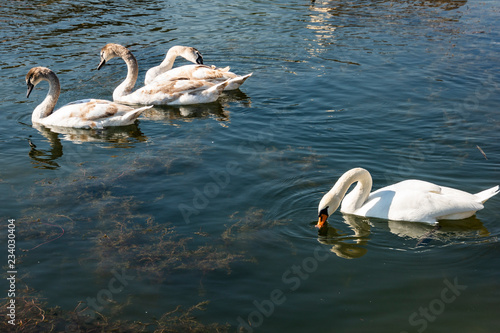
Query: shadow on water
x: 352, y: 245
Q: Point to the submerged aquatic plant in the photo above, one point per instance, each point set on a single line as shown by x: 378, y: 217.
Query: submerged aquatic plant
x: 34, y: 315
x: 247, y: 224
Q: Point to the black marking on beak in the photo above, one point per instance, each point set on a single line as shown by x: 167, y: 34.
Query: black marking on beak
x: 322, y: 218
x: 102, y: 63
x: 199, y: 60
x: 324, y: 211
x: 30, y: 88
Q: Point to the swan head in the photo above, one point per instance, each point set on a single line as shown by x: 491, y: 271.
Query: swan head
x: 199, y: 57
x: 35, y: 76
x: 193, y: 55
x: 110, y: 51
x: 189, y: 53
x: 327, y: 206
x: 331, y: 201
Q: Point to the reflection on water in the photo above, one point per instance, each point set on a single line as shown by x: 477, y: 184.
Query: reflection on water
x: 43, y: 158
x: 351, y: 246
x: 113, y: 137
x: 124, y: 136
x: 187, y: 112
x: 219, y: 109
x: 341, y: 22
x: 345, y: 245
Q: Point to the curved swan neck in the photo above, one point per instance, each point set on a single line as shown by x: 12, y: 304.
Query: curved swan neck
x: 126, y: 87
x: 47, y: 106
x: 355, y: 198
x: 169, y: 60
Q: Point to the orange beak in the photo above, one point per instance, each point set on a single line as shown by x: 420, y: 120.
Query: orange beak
x: 321, y: 221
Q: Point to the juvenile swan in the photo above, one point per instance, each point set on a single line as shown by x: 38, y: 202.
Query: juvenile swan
x: 177, y: 92
x: 164, y: 72
x: 90, y: 113
x: 409, y: 200
x: 188, y: 53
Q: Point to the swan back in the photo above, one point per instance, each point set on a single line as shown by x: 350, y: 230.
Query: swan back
x: 176, y: 92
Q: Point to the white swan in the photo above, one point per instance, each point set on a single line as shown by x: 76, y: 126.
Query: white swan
x: 164, y: 72
x: 173, y: 92
x: 90, y: 113
x: 409, y: 200
x: 188, y: 53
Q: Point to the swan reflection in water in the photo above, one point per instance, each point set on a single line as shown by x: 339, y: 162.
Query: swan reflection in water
x: 354, y: 245
x: 117, y: 137
x: 219, y: 110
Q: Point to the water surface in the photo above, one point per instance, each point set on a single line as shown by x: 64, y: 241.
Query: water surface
x: 217, y: 202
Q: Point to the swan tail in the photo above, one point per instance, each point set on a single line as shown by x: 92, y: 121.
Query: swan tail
x: 236, y: 82
x: 216, y: 89
x: 486, y: 194
x: 134, y: 114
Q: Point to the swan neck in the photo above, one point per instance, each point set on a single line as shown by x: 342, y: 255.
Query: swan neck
x: 47, y: 106
x: 126, y: 87
x: 169, y: 60
x: 357, y: 197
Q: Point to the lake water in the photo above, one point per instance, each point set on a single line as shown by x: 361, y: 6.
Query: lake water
x: 202, y: 217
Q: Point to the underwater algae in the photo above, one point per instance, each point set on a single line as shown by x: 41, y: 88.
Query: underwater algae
x: 33, y: 315
x: 112, y: 234
x: 109, y: 231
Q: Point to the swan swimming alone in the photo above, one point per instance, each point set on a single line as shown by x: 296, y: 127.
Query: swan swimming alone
x: 90, y: 113
x: 182, y: 91
x: 409, y: 200
x: 164, y: 71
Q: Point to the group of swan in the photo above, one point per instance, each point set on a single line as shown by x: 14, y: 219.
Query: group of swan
x: 410, y: 200
x: 189, y: 84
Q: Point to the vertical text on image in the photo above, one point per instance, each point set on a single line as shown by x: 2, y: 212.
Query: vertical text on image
x: 11, y: 271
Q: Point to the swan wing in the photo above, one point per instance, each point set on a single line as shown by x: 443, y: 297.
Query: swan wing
x: 419, y: 201
x: 93, y: 113
x: 175, y: 92
x: 92, y: 109
x: 195, y: 72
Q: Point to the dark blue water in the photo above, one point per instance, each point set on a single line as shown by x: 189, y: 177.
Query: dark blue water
x: 217, y: 202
